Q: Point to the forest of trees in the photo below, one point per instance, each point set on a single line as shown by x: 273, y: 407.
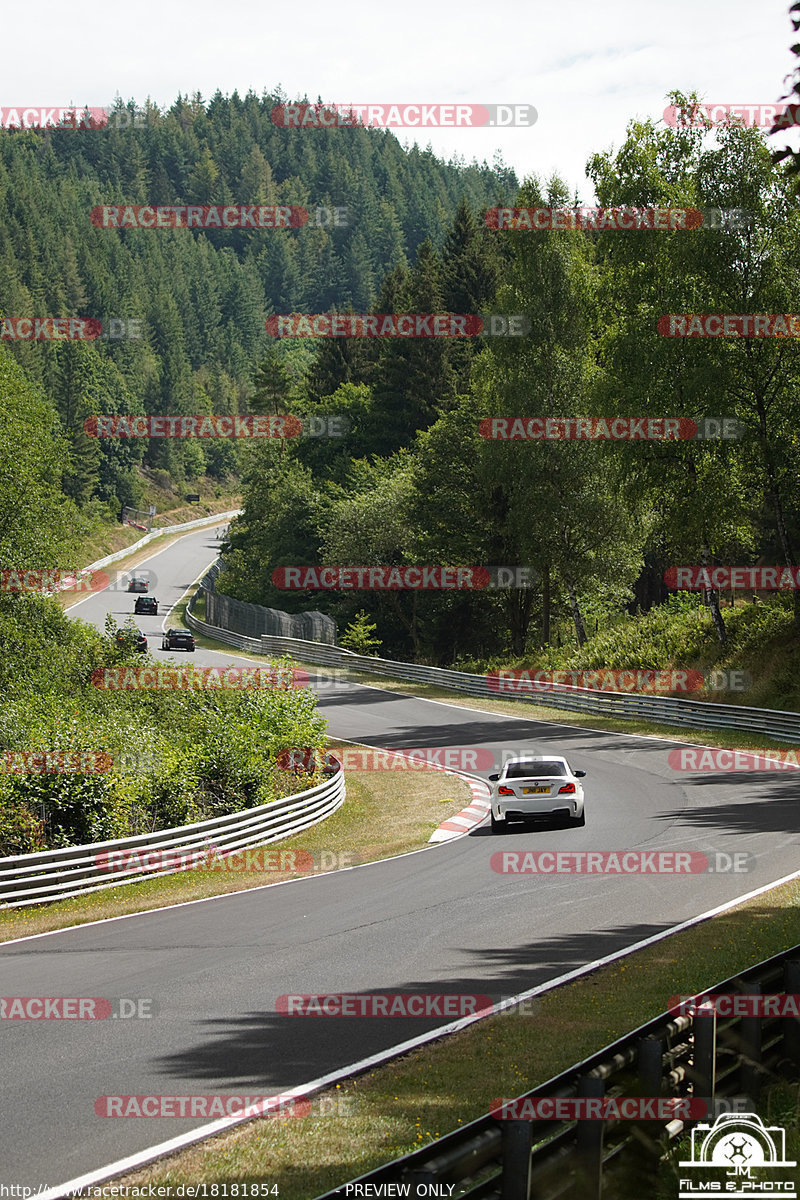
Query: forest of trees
x: 598, y: 523
x: 201, y: 297
x: 413, y: 481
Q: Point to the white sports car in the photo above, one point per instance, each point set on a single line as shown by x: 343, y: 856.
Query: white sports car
x: 535, y: 786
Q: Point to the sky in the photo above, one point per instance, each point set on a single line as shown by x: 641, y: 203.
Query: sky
x: 587, y: 68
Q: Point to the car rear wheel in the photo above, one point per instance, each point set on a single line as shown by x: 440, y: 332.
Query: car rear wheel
x: 578, y: 821
x: 498, y: 825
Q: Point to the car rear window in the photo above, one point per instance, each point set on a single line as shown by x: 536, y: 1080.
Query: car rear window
x: 535, y: 770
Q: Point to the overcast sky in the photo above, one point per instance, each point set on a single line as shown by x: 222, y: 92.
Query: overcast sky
x: 587, y: 68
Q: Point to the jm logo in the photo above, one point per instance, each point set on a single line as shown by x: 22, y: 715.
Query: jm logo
x: 733, y: 1147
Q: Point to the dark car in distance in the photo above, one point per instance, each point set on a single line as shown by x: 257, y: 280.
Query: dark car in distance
x: 177, y: 639
x: 134, y: 637
x: 146, y: 604
x: 137, y: 584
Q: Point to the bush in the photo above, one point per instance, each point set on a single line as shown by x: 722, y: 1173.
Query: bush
x: 21, y: 832
x: 175, y: 756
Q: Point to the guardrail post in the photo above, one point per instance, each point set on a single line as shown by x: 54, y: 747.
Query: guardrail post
x: 517, y: 1165
x: 633, y: 1171
x: 650, y: 1057
x: 704, y: 1067
x: 790, y: 1026
x: 750, y: 1050
x: 589, y: 1143
x: 423, y: 1176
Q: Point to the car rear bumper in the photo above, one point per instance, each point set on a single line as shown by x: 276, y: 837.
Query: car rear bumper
x: 534, y: 806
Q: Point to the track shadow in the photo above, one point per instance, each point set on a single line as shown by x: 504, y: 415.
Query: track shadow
x: 270, y: 1050
x: 774, y: 808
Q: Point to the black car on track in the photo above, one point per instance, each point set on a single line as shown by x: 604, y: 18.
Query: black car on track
x: 177, y: 639
x: 134, y: 637
x: 146, y: 604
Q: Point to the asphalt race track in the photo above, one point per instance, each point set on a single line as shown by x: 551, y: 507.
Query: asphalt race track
x: 440, y: 920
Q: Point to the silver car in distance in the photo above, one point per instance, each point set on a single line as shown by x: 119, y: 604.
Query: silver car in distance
x: 535, y: 786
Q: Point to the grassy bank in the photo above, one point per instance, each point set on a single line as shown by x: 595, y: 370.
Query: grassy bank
x: 761, y: 641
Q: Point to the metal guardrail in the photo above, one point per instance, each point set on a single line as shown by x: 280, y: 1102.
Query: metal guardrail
x: 724, y: 1062
x: 59, y: 874
x: 665, y: 710
x: 239, y: 640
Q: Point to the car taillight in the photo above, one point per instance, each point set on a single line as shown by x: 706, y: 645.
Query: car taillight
x: 569, y: 788
x: 504, y: 791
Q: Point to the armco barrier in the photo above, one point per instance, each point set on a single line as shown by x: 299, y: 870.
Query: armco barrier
x: 664, y: 710
x: 58, y: 874
x: 724, y: 1062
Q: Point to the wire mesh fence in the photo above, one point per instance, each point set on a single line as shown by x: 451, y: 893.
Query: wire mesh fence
x: 253, y: 620
x: 138, y: 517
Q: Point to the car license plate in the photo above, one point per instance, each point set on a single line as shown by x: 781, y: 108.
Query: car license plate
x: 528, y: 791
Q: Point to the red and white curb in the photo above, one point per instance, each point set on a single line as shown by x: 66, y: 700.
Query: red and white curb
x: 469, y: 817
